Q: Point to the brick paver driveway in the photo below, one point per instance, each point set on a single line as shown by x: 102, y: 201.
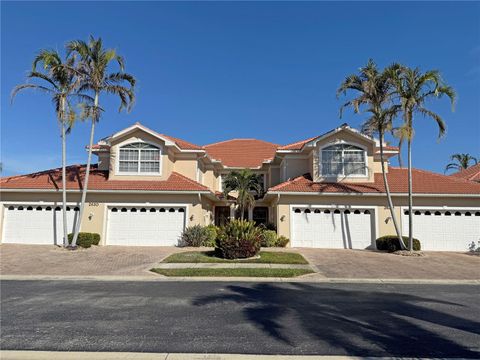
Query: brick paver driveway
x: 98, y: 260
x: 364, y: 264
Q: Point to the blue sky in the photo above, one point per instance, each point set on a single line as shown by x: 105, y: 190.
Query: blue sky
x: 217, y: 70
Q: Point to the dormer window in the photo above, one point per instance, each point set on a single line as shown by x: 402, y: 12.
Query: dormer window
x: 343, y: 160
x: 139, y: 158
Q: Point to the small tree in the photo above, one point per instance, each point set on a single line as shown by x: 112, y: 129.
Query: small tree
x: 461, y: 162
x: 247, y: 185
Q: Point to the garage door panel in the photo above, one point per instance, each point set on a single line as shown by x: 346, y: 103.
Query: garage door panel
x: 156, y: 226
x: 444, y: 230
x: 331, y: 228
x: 34, y: 224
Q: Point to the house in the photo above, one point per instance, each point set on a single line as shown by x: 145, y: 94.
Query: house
x: 326, y: 191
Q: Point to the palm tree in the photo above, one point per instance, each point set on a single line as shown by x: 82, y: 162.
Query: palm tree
x: 95, y: 78
x: 374, y: 90
x: 60, y: 84
x: 413, y: 89
x: 461, y: 162
x: 247, y: 185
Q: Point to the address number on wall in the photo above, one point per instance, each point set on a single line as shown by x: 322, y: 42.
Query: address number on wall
x: 92, y: 204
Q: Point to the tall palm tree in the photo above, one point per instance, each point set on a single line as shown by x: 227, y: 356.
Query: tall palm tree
x: 60, y: 83
x: 461, y: 162
x: 374, y: 90
x: 95, y: 78
x: 413, y: 89
x: 247, y: 185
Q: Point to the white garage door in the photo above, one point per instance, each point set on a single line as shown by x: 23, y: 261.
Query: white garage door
x: 444, y: 230
x: 35, y: 224
x: 332, y: 228
x: 145, y: 226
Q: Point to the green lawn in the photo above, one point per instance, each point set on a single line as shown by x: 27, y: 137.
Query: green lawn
x: 248, y: 272
x: 266, y: 257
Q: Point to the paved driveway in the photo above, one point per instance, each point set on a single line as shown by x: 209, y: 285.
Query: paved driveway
x: 98, y: 260
x: 363, y: 264
x: 136, y: 261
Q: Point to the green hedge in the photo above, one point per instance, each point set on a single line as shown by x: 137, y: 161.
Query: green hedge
x: 85, y: 239
x: 391, y: 243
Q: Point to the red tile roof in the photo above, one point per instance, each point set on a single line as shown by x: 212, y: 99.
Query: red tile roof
x: 297, y: 145
x: 98, y: 180
x: 472, y: 173
x: 242, y: 153
x: 182, y: 144
x: 424, y: 182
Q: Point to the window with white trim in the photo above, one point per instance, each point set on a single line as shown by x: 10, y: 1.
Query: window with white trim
x: 343, y: 160
x: 139, y: 158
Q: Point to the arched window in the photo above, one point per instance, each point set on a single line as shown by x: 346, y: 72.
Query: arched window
x: 139, y: 158
x: 343, y: 160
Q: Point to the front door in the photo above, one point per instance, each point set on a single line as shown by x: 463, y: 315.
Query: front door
x: 222, y: 215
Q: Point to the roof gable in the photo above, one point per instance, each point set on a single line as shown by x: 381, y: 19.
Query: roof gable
x: 299, y: 145
x: 168, y: 140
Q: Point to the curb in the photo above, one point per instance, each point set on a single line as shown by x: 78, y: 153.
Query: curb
x: 309, y: 278
x: 61, y: 355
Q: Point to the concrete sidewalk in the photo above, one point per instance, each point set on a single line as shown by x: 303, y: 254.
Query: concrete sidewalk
x: 308, y: 278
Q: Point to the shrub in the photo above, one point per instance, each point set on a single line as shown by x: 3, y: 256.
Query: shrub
x: 269, y: 238
x: 193, y: 236
x: 211, y: 231
x: 85, y: 240
x: 238, y: 239
x: 270, y: 226
x: 282, y: 241
x: 390, y: 243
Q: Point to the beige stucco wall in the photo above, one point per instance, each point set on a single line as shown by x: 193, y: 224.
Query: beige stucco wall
x: 274, y: 176
x: 186, y: 165
x: 296, y: 166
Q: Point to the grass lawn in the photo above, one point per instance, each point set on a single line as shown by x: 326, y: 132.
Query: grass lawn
x: 266, y: 257
x: 234, y: 272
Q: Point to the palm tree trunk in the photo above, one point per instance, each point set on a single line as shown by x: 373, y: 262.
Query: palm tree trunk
x: 410, y: 197
x: 64, y: 183
x: 87, y: 174
x: 389, y: 196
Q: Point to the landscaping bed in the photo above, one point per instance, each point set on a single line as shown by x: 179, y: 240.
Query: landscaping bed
x: 266, y: 257
x: 239, y: 272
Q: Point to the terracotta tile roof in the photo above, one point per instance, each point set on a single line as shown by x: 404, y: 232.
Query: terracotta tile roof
x: 242, y: 153
x: 297, y: 145
x: 424, y: 182
x: 98, y: 180
x: 472, y: 173
x: 182, y: 144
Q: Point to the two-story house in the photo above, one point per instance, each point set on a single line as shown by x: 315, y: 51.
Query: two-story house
x: 326, y: 191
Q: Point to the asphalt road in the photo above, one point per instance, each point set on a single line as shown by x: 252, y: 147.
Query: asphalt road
x: 251, y: 318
